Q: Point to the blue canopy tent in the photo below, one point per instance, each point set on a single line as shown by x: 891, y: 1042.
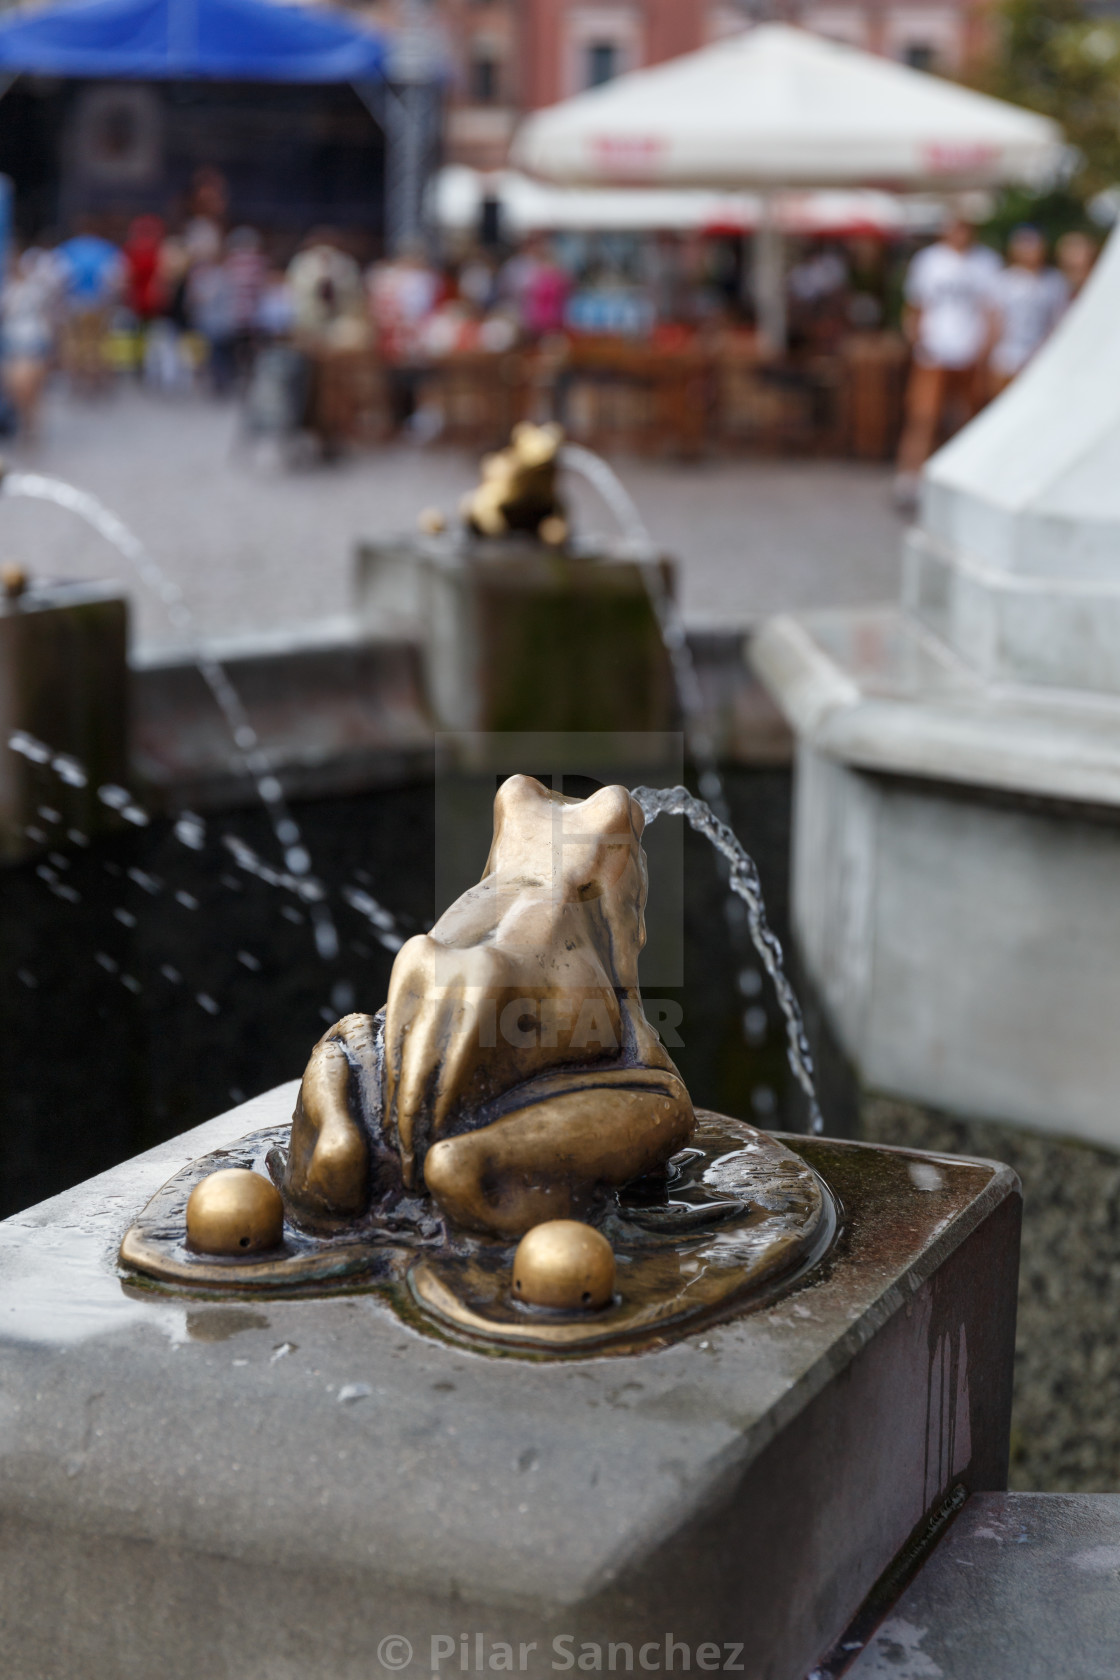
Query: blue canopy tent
x: 188, y: 40
x: 235, y: 41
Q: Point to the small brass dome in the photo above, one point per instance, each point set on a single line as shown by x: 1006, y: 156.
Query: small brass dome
x: 563, y: 1263
x: 234, y: 1211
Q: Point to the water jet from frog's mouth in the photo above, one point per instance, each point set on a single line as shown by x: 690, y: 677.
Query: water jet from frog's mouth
x: 678, y: 802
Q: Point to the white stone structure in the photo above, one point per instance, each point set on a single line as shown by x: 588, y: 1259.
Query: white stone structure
x: 957, y: 822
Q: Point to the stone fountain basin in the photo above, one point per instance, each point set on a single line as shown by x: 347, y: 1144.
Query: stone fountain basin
x: 275, y: 1488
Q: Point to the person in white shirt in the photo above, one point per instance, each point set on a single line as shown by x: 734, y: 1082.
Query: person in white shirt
x: 1028, y: 301
x: 949, y: 324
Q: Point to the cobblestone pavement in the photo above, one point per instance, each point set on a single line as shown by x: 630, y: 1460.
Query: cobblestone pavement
x: 259, y: 549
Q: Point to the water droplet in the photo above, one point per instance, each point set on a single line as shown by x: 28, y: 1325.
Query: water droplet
x: 70, y: 894
x: 342, y: 996
x: 190, y: 830
x: 46, y: 874
x: 245, y: 736
x: 131, y: 982
x: 58, y: 860
x: 369, y: 908
x: 187, y: 900
x: 115, y: 797
x: 231, y: 883
x: 754, y: 1025
x: 287, y: 831
x: 270, y: 790
x: 251, y: 962
x: 170, y: 972
x: 136, y: 815
x: 763, y: 1100
x: 710, y: 785
x: 108, y: 963
x: 125, y: 917
x: 327, y: 1014
x: 76, y: 837
x: 150, y: 883
x: 750, y: 982
x: 236, y: 1094
x: 69, y: 770
x: 290, y: 913
x: 36, y: 834
x: 29, y: 747
x: 297, y: 860
x: 326, y: 938
x: 49, y: 814
x: 25, y: 975
x: 205, y: 1001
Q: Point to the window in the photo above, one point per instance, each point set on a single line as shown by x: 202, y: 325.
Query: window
x: 602, y: 62
x: 919, y: 55
x: 485, y: 80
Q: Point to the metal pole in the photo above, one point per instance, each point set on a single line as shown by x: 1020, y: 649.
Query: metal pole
x: 770, y: 279
x: 407, y: 107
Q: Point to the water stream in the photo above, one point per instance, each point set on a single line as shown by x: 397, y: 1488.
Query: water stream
x: 711, y: 815
x: 246, y: 741
x: 606, y: 482
x: 678, y: 802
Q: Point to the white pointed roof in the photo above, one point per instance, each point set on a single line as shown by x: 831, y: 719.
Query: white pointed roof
x: 777, y: 106
x: 1032, y: 486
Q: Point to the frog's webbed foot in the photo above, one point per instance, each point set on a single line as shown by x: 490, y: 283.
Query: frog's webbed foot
x: 336, y: 1154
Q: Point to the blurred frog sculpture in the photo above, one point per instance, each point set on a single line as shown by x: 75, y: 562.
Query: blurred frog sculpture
x: 507, y: 1128
x: 518, y: 490
x: 513, y: 1074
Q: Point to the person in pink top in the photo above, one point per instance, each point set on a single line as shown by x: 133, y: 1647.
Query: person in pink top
x: 545, y: 297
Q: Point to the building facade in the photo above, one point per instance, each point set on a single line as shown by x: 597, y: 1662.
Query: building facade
x: 506, y: 57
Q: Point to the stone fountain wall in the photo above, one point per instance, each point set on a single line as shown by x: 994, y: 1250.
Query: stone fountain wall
x: 957, y: 846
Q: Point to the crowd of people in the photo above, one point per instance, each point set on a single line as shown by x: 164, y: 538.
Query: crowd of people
x: 194, y: 300
x: 974, y: 322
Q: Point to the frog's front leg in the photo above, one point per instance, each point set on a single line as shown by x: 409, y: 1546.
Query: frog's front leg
x: 327, y: 1177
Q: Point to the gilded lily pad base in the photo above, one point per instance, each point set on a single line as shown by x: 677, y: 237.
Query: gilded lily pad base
x: 737, y: 1214
x: 157, y: 1243
x: 740, y: 1212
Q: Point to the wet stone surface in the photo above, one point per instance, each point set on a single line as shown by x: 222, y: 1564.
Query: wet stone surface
x: 1023, y: 1587
x: 273, y: 1487
x: 1065, y: 1433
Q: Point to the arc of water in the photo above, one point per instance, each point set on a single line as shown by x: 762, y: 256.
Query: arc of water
x: 606, y: 482
x: 246, y: 741
x: 743, y: 874
x: 678, y: 801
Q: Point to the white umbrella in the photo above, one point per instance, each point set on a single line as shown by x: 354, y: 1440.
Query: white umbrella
x: 778, y: 107
x: 529, y: 206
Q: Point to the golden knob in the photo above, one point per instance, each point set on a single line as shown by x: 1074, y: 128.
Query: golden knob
x: 13, y: 580
x: 564, y: 1263
x: 234, y: 1211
